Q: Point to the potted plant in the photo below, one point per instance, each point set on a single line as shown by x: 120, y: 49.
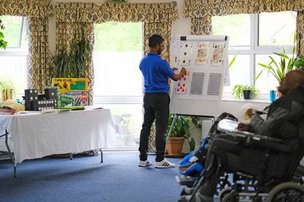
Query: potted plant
x: 3, y: 43
x: 279, y: 68
x: 245, y: 91
x: 180, y: 132
x: 72, y: 63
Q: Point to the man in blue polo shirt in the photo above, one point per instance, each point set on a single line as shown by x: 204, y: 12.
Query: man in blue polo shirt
x: 156, y: 72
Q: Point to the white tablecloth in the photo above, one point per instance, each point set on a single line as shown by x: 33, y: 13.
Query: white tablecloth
x: 42, y: 134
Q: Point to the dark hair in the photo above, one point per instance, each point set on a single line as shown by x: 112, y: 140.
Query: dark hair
x: 154, y: 40
x: 292, y: 80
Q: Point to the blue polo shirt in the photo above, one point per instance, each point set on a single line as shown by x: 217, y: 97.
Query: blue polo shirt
x: 156, y: 72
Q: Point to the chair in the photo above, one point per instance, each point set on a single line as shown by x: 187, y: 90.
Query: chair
x: 263, y: 163
x: 260, y: 164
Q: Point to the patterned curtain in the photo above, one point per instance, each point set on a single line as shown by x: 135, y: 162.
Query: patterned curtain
x: 68, y: 32
x: 157, y: 18
x: 201, y: 26
x: 121, y: 12
x: 39, y: 61
x: 300, y: 32
x: 164, y: 29
x: 197, y: 8
x: 29, y: 8
x: 37, y: 12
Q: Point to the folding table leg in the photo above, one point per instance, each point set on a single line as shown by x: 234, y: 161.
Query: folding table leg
x: 10, y: 153
x: 15, y: 171
x: 101, y: 156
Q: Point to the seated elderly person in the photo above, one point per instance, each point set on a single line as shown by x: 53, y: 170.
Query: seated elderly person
x: 280, y: 123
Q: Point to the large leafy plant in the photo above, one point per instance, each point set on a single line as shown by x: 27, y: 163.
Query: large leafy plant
x: 181, y: 128
x: 279, y: 67
x: 72, y: 64
x: 3, y: 43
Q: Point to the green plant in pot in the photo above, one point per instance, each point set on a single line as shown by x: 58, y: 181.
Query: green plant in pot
x: 282, y: 64
x: 72, y: 64
x: 280, y: 68
x: 244, y: 91
x: 180, y: 132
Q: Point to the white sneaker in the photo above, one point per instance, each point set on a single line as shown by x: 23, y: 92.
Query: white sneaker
x: 145, y: 163
x: 164, y: 164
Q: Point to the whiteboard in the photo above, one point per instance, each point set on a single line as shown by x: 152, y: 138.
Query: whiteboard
x: 206, y: 61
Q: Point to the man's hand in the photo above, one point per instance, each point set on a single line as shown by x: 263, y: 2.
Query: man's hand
x: 183, y: 71
x: 178, y: 76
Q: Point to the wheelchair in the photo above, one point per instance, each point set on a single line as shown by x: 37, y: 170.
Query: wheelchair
x: 192, y: 165
x: 266, y: 169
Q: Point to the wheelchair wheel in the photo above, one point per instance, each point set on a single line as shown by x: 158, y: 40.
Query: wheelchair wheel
x: 231, y: 197
x: 288, y: 192
x: 222, y: 184
x: 223, y: 193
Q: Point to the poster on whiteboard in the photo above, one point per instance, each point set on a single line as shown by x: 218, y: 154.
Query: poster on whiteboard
x: 205, y: 58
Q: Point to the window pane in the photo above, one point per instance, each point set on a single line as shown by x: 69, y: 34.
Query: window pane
x: 14, y: 68
x: 12, y: 31
x: 117, y: 74
x: 116, y: 60
x: 237, y: 27
x: 266, y: 81
x: 277, y: 28
x: 239, y: 71
x: 129, y: 118
x: 115, y: 36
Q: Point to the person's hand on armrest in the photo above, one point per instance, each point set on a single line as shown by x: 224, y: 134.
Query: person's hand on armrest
x: 243, y: 127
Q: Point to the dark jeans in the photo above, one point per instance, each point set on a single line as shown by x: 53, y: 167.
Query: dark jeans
x: 156, y: 106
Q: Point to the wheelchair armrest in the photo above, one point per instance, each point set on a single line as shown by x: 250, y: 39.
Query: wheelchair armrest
x: 262, y: 141
x: 274, y: 145
x: 254, y: 136
x: 230, y: 127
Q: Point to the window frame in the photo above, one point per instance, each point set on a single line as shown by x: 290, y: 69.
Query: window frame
x: 253, y: 50
x: 22, y: 50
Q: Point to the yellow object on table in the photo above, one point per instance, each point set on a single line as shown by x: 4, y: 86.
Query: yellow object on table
x: 7, y: 94
x: 11, y: 104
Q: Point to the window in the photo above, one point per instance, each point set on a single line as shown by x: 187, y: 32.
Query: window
x: 13, y: 66
x: 252, y: 38
x: 118, y: 80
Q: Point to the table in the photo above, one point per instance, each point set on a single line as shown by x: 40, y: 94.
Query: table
x: 38, y: 134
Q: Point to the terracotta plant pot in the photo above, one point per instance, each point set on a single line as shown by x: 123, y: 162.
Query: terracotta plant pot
x: 174, y: 145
